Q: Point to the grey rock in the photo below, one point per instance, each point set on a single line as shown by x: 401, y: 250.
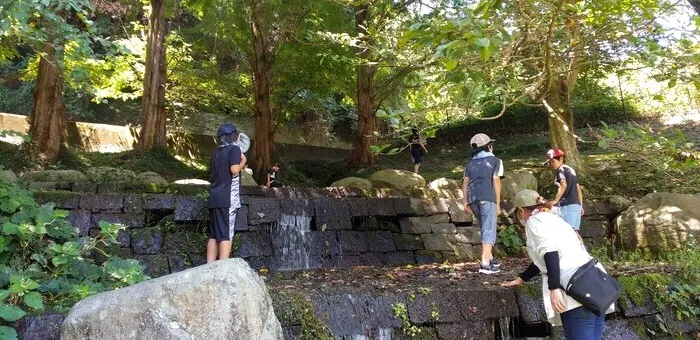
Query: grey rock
x: 457, y: 213
x: 353, y: 241
x: 44, y: 327
x: 398, y: 258
x: 421, y: 225
x: 365, y: 223
x: 133, y: 204
x: 380, y: 207
x: 465, y: 331
x: 631, y: 309
x: 242, y: 219
x: 146, y: 241
x: 190, y: 208
x: 388, y: 226
x: 111, y: 188
x: 254, y: 244
x: 353, y: 182
x: 86, y: 187
x: 105, y: 174
x: 81, y: 220
x: 381, y: 241
x: 530, y: 303
x: 358, y: 207
x: 155, y: 265
x: 70, y: 176
x: 124, y: 220
x: 332, y: 214
x: 261, y: 210
x: 473, y: 234
x: 322, y: 243
x: 10, y: 175
x: 302, y: 207
x: 396, y: 179
x: 429, y: 256
x: 443, y: 228
x: 97, y: 202
x: 456, y: 243
x: 172, y: 307
x: 435, y: 207
x: 158, y: 202
x: 408, y: 242
x: 619, y: 330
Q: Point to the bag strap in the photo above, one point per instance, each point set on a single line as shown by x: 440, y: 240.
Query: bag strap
x: 581, y: 271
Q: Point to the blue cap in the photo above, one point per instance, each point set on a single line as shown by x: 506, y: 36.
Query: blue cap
x: 226, y: 129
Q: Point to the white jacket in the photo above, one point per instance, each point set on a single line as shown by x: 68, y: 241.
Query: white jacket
x: 546, y: 232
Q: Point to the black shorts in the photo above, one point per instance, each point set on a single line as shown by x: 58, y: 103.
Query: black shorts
x: 416, y: 155
x: 222, y: 223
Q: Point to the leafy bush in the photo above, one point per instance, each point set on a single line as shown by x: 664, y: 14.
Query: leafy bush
x: 43, y: 262
x: 509, y: 238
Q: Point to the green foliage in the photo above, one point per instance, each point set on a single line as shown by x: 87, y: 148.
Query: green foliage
x: 509, y: 238
x: 654, y: 161
x: 407, y: 327
x: 43, y: 262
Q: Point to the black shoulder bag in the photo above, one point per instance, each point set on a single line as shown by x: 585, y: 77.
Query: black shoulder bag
x: 594, y: 288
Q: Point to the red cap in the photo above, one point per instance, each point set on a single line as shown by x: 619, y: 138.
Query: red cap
x: 552, y: 153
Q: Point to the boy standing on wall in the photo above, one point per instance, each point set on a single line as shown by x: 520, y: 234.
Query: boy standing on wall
x: 569, y: 195
x: 482, y: 196
x: 226, y: 163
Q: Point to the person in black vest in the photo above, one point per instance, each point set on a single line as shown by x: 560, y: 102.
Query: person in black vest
x: 482, y: 196
x: 417, y: 149
x: 226, y: 163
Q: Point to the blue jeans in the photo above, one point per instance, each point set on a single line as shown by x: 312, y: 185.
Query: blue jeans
x: 581, y: 324
x: 571, y: 214
x: 485, y: 212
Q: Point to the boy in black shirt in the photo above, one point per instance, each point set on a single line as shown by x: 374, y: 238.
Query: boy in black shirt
x: 226, y: 163
x: 569, y: 195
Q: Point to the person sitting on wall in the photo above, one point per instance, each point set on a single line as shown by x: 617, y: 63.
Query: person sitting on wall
x: 273, y: 177
x: 226, y: 163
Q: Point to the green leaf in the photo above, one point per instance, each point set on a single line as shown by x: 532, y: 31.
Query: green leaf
x: 34, y: 300
x: 7, y: 333
x: 4, y: 294
x: 41, y: 259
x: 603, y: 144
x: 11, y: 313
x: 451, y: 65
x: 483, y: 42
x: 485, y: 54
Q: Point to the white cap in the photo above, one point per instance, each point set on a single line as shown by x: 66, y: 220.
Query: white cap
x: 479, y: 140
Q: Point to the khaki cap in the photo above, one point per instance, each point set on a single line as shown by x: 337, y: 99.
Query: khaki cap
x: 526, y: 198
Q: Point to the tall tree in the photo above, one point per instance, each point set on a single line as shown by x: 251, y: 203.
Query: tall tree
x: 261, y: 31
x: 152, y: 134
x: 381, y: 65
x: 47, y: 123
x: 46, y: 27
x: 536, y: 50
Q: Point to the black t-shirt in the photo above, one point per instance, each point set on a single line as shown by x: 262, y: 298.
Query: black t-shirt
x: 222, y: 180
x: 415, y: 144
x: 570, y: 195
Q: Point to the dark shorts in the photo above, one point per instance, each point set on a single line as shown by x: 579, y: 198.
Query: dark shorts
x: 222, y: 222
x: 416, y: 156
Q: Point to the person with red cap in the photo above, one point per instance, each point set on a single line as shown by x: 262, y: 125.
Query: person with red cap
x: 569, y: 196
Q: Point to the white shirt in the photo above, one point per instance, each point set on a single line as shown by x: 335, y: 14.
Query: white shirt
x: 547, y: 232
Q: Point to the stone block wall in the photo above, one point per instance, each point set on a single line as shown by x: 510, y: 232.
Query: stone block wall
x: 285, y: 229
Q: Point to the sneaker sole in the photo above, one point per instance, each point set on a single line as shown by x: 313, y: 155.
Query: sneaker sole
x: 488, y: 271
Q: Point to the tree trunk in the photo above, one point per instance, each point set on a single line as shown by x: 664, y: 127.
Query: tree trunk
x: 366, y: 110
x: 561, y: 120
x: 48, y: 121
x: 153, y: 101
x: 264, y: 134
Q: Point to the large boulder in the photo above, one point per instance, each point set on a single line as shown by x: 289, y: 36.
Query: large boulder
x: 106, y: 174
x: 659, y: 222
x: 353, y: 182
x: 516, y: 181
x: 445, y: 183
x: 66, y: 176
x: 247, y: 180
x: 222, y: 300
x: 10, y: 175
x: 152, y: 181
x: 396, y: 179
